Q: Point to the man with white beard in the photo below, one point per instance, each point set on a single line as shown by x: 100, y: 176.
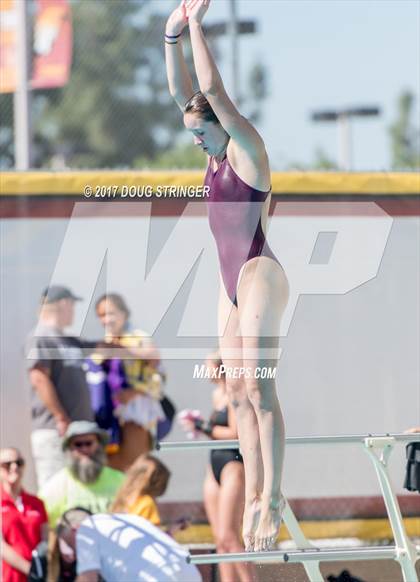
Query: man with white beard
x: 85, y: 481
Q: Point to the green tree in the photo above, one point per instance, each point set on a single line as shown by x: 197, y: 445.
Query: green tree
x: 116, y: 105
x: 116, y: 110
x: 180, y: 157
x: 405, y: 136
x: 6, y: 131
x: 321, y: 163
x: 257, y: 91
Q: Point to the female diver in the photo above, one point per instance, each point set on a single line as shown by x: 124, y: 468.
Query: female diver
x: 224, y: 484
x: 254, y: 288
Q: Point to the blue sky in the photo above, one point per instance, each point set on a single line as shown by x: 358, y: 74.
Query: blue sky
x: 327, y: 53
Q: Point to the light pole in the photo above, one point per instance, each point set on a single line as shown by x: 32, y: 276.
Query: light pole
x: 342, y: 117
x: 233, y: 34
x: 21, y: 102
x: 233, y: 28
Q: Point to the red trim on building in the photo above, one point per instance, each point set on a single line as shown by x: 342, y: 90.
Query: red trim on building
x: 63, y: 206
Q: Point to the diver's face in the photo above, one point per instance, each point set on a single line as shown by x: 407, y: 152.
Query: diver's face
x: 208, y: 135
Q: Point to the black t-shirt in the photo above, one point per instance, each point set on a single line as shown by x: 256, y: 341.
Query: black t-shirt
x: 61, y: 357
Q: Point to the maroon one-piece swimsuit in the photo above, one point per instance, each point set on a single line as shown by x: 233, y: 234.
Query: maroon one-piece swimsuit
x: 234, y: 210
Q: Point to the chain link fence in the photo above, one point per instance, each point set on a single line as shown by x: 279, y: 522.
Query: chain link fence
x: 115, y: 111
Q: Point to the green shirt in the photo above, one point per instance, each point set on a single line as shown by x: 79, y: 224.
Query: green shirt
x: 63, y: 492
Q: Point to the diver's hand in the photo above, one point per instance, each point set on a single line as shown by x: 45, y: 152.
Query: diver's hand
x: 196, y: 10
x: 177, y: 21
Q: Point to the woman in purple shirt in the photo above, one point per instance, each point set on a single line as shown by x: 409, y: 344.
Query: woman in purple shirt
x: 254, y: 288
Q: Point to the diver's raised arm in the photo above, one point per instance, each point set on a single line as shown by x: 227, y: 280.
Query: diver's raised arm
x: 179, y: 78
x: 211, y: 85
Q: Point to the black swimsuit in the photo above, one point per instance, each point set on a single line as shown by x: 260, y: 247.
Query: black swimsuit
x: 221, y: 457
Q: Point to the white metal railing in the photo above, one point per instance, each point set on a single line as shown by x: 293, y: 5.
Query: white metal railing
x: 307, y: 440
x: 378, y: 448
x: 313, y: 554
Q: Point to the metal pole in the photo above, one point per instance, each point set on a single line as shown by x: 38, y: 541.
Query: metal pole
x: 344, y: 142
x: 406, y: 553
x: 234, y: 55
x: 311, y: 440
x: 21, y: 102
x: 299, y: 556
x: 312, y: 568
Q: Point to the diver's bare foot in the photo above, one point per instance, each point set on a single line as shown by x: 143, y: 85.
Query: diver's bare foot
x: 269, y: 524
x: 250, y: 523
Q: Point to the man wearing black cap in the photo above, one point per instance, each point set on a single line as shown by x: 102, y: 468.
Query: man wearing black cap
x: 60, y: 393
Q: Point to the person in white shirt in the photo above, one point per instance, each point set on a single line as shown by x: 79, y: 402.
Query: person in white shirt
x: 126, y: 548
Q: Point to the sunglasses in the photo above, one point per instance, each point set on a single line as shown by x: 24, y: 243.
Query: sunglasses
x: 7, y: 464
x: 82, y: 444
